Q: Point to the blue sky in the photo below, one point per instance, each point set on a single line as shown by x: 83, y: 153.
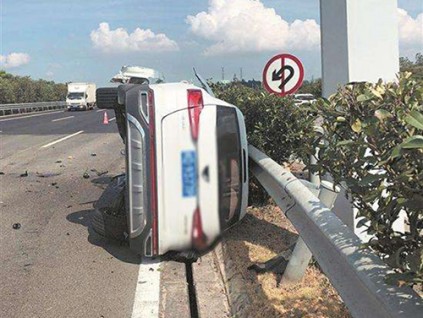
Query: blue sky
x: 64, y: 41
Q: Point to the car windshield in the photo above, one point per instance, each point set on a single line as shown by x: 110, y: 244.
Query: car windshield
x: 75, y: 95
x: 229, y: 160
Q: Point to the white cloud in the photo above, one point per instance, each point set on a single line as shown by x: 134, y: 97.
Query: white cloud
x: 14, y: 60
x: 248, y: 26
x: 119, y: 40
x: 410, y: 30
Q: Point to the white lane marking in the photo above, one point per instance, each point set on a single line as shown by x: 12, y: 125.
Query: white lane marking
x: 112, y: 119
x: 100, y: 110
x: 147, y: 293
x: 58, y: 119
x: 35, y: 115
x: 61, y: 139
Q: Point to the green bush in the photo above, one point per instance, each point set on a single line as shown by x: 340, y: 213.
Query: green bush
x: 274, y: 125
x: 374, y: 144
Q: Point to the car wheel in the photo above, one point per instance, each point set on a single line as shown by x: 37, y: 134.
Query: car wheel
x: 109, y: 218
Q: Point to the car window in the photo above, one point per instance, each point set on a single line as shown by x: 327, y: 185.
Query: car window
x: 230, y: 164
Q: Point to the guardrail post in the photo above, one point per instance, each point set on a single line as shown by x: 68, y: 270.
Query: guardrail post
x: 301, y: 255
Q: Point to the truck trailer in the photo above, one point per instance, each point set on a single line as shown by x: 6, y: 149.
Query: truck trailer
x: 81, y: 96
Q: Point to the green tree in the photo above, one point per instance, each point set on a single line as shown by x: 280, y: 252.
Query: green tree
x: 23, y: 89
x: 416, y: 67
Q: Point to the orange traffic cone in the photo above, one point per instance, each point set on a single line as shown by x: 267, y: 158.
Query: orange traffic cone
x: 105, y: 119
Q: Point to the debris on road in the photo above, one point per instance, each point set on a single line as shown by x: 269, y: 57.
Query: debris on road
x: 68, y: 206
x: 1, y: 173
x: 16, y: 226
x: 70, y: 157
x: 25, y: 174
x: 86, y: 175
x: 48, y: 174
x: 59, y: 161
x: 53, y: 184
x: 100, y: 173
x: 93, y: 154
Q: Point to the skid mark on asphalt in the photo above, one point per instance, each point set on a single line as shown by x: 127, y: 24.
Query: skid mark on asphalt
x: 58, y: 119
x: 147, y: 293
x: 61, y: 139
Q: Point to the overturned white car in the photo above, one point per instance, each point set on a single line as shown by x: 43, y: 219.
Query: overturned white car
x: 186, y: 171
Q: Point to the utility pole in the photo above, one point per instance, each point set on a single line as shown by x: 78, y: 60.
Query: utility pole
x: 240, y: 74
x: 223, y: 73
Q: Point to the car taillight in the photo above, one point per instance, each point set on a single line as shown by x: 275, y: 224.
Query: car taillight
x: 199, y: 239
x: 153, y: 185
x: 195, y: 106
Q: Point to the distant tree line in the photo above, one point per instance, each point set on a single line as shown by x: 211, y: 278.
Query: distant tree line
x: 23, y: 89
x: 415, y: 67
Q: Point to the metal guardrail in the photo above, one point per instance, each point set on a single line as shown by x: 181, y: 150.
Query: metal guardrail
x: 357, y: 274
x: 8, y: 109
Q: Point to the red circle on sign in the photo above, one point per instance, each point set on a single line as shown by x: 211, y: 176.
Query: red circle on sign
x: 300, y: 79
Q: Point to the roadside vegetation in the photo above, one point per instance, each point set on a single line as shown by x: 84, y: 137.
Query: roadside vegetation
x: 23, y: 89
x: 373, y: 145
x: 414, y: 67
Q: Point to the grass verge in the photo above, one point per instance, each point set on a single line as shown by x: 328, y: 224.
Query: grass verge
x: 262, y: 234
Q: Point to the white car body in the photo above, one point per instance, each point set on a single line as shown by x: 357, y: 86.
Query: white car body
x: 81, y: 96
x: 300, y: 99
x: 194, y: 195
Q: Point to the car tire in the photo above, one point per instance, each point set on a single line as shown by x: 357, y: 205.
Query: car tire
x: 106, y: 97
x: 109, y: 217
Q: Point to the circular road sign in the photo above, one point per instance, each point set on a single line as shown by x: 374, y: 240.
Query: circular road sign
x: 283, y: 74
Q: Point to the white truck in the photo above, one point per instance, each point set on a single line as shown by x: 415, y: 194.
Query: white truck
x: 81, y: 96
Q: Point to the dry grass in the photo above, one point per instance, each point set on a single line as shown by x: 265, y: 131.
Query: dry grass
x: 263, y: 234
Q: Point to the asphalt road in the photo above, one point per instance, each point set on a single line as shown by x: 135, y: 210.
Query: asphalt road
x: 54, y: 265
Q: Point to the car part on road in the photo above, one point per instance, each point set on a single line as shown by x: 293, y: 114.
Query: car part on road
x: 16, y: 226
x: 48, y: 174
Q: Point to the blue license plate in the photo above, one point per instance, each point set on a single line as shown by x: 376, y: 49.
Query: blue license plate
x: 189, y: 173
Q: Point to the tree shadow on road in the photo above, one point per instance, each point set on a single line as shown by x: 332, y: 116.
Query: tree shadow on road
x: 119, y: 250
